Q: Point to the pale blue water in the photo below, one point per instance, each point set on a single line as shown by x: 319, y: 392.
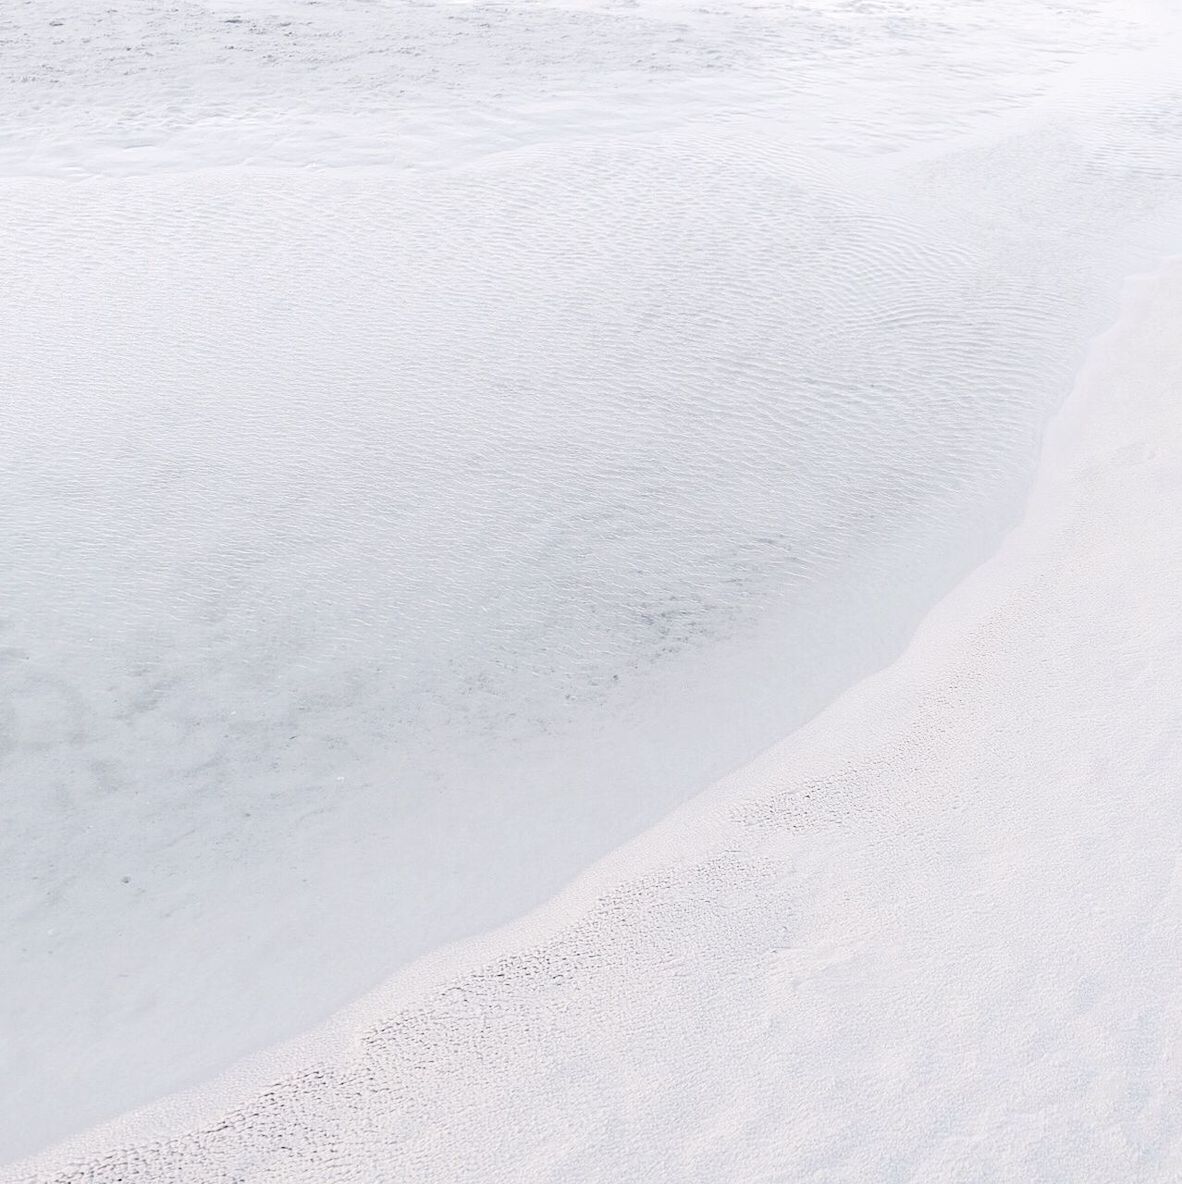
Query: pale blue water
x: 383, y: 544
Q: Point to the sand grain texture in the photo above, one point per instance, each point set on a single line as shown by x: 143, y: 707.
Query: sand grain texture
x: 934, y: 936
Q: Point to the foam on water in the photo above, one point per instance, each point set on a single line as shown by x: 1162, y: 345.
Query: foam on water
x: 387, y: 541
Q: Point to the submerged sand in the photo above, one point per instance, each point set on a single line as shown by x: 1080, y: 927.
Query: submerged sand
x: 932, y: 936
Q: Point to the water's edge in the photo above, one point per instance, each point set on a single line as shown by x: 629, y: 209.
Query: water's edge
x: 693, y: 830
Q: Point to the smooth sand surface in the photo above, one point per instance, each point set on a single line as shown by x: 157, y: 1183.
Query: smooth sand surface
x: 934, y: 936
x: 439, y: 439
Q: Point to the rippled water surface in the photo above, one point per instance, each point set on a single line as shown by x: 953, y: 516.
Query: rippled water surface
x: 438, y: 439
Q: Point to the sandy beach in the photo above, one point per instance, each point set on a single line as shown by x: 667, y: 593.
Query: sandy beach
x: 931, y: 937
x: 441, y: 443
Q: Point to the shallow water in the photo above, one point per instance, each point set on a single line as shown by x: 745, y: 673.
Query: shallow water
x: 389, y: 539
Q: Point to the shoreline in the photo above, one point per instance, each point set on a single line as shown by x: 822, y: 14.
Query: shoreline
x: 766, y: 798
x: 391, y: 541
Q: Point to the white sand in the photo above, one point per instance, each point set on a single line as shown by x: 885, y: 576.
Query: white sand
x: 935, y: 936
x: 438, y: 439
